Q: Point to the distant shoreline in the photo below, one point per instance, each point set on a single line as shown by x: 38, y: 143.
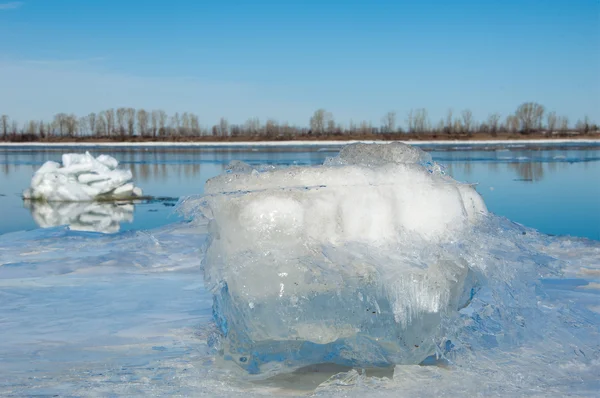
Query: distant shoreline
x: 295, y: 143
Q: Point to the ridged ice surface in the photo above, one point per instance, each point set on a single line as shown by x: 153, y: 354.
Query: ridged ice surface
x: 234, y: 306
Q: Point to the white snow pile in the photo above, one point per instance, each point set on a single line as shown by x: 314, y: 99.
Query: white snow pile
x: 80, y: 178
x: 104, y: 217
x: 352, y: 262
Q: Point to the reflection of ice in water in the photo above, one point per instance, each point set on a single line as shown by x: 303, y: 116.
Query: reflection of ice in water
x: 105, y: 217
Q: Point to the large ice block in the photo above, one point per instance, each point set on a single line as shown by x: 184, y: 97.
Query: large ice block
x: 352, y: 262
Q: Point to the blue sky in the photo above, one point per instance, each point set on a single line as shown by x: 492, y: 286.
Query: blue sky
x: 284, y: 59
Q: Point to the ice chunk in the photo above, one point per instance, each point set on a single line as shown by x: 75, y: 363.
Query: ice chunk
x: 352, y: 262
x: 89, y: 178
x: 378, y: 155
x: 138, y: 191
x: 108, y: 161
x: 81, y: 178
x: 94, y: 217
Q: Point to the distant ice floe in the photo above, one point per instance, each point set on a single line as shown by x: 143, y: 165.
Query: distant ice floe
x: 81, y: 178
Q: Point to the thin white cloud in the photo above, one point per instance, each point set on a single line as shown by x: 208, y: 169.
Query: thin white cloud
x: 64, y: 62
x: 11, y: 6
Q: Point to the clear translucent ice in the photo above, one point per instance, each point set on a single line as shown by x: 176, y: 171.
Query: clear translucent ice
x: 502, y: 309
x: 349, y: 262
x: 81, y: 177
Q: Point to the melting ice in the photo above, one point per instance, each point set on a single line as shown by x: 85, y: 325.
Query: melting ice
x: 374, y: 260
x: 354, y: 262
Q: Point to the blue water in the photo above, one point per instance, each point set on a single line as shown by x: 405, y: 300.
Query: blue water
x: 554, y: 189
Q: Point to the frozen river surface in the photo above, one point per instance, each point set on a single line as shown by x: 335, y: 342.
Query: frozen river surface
x: 88, y: 313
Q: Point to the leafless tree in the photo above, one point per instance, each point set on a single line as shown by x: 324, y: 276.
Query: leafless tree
x: 130, y: 119
x: 142, y: 119
x: 493, y: 121
x: 563, y: 125
x: 421, y: 121
x: 583, y: 126
x: 154, y: 118
x: 84, y: 126
x: 41, y: 129
x: 102, y: 126
x: 441, y: 127
x: 351, y: 127
x: 175, y: 124
x: 389, y: 122
x: 60, y: 121
x: 365, y: 128
x: 109, y: 115
x: 162, y: 123
x: 330, y: 127
x: 319, y: 121
x: 449, y: 127
x: 410, y: 121
x: 271, y: 128
x: 339, y: 129
x: 91, y: 119
x: 14, y: 129
x: 458, y: 127
x: 71, y: 125
x: 252, y: 126
x: 223, y: 127
x: 235, y: 130
x: 121, y: 121
x: 186, y: 124
x: 4, y: 124
x: 467, y: 120
x: 512, y: 124
x: 31, y: 128
x: 286, y: 130
x: 417, y: 121
x: 530, y: 116
x: 195, y: 124
x: 551, y: 122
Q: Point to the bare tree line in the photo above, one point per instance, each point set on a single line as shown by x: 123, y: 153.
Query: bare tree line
x: 129, y: 124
